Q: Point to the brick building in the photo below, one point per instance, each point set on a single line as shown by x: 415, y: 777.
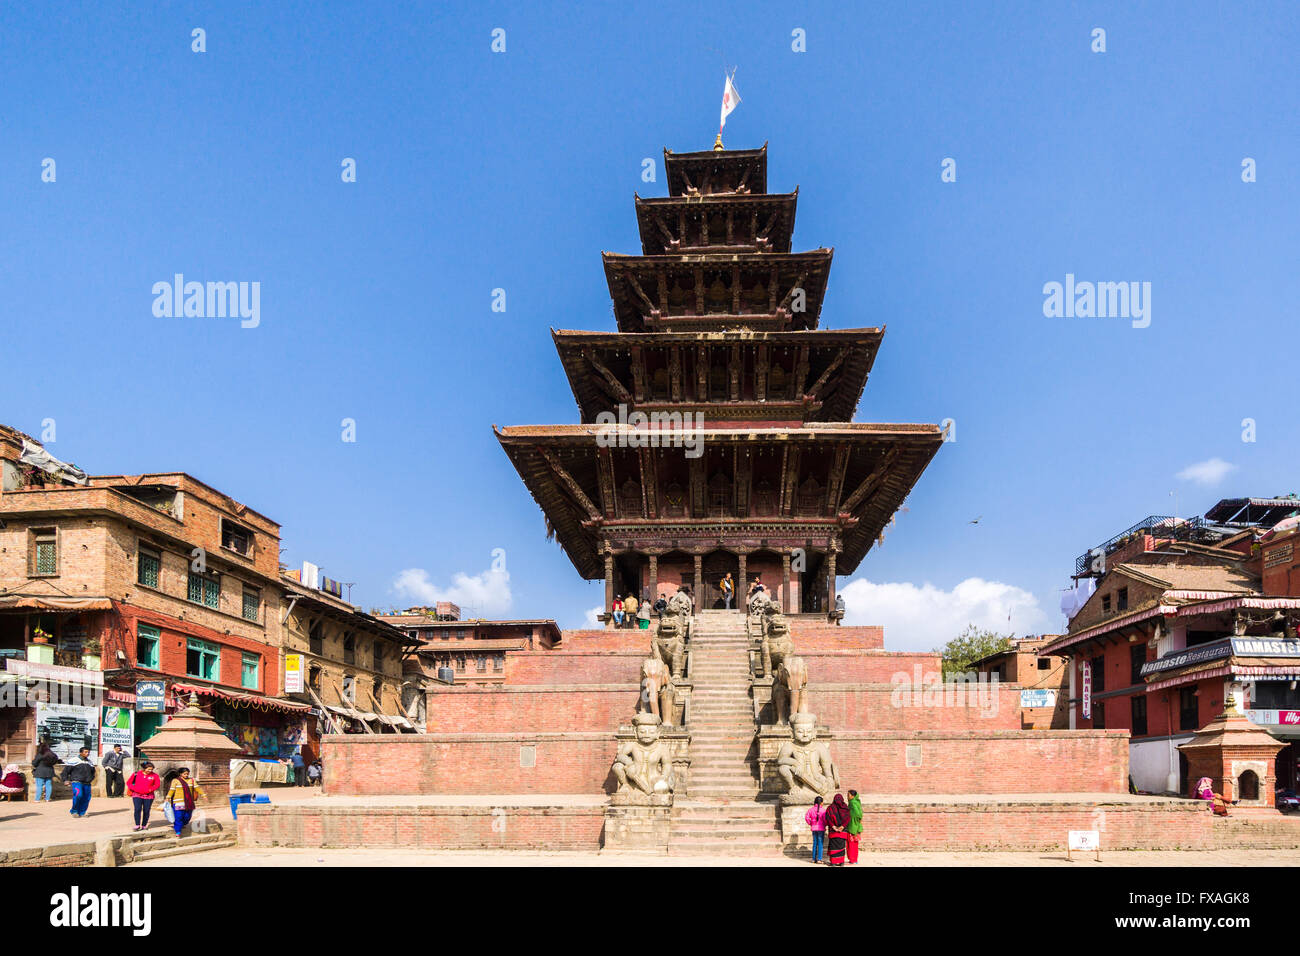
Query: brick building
x: 350, y: 664
x: 111, y: 580
x: 474, y: 651
x: 1043, y: 679
x: 1184, y: 613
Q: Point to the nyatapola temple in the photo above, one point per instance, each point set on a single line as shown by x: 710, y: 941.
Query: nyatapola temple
x: 715, y: 438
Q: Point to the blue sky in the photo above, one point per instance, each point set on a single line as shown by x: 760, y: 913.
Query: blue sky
x: 478, y: 170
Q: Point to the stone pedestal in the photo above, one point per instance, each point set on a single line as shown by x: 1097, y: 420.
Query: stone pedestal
x: 193, y: 739
x: 678, y: 739
x: 770, y: 739
x: 794, y: 829
x: 1234, y: 753
x: 638, y: 828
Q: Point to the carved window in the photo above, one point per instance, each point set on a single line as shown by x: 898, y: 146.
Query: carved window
x: 776, y: 382
x: 764, y: 498
x: 659, y: 385
x: 810, y: 497
x: 629, y: 499
x: 674, y: 501
x: 720, y: 494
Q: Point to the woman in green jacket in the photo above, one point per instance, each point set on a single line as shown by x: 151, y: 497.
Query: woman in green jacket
x: 855, y: 825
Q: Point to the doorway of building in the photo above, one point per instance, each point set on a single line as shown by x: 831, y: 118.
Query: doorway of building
x: 717, y: 566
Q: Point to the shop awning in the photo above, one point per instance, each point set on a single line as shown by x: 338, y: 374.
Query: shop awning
x: 244, y: 700
x: 43, y: 602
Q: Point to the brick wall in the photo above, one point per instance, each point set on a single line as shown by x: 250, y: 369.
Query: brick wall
x: 811, y: 636
x: 557, y: 827
x: 575, y: 666
x: 467, y: 763
x: 877, y: 707
x: 865, y: 666
x: 1007, y: 761
x: 543, y: 708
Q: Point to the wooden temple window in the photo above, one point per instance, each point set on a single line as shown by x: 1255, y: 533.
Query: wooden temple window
x: 720, y: 487
x: 659, y: 385
x: 764, y: 498
x: 776, y: 383
x: 719, y: 382
x: 675, y: 501
x: 629, y: 499
x: 810, y: 497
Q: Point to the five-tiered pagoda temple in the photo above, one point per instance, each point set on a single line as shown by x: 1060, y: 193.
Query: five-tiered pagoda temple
x: 718, y: 330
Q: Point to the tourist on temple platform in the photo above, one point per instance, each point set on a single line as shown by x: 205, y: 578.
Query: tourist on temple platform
x: 728, y: 590
x: 630, y: 608
x: 837, y: 830
x: 183, y: 796
x: 816, y: 820
x: 643, y: 615
x: 855, y: 825
x: 755, y: 587
x: 661, y: 605
x: 43, y: 772
x: 142, y: 786
x: 80, y: 775
x: 618, y: 612
x: 112, y: 764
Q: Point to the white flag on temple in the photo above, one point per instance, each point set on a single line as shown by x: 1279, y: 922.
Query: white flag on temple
x: 730, y: 100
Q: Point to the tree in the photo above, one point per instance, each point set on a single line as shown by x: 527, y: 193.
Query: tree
x: 968, y: 647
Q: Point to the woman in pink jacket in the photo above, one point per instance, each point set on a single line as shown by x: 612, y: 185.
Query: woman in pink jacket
x: 144, y: 783
x: 816, y: 820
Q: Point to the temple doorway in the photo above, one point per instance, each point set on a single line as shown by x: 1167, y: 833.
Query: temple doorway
x: 716, y: 566
x: 812, y: 585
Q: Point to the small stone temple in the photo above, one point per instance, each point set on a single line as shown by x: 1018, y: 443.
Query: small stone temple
x: 716, y: 432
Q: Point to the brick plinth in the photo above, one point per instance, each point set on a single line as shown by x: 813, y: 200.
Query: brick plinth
x: 558, y: 826
x: 1020, y: 825
x: 467, y: 763
x: 541, y: 708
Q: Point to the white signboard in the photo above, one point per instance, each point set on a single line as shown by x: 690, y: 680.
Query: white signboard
x: 1085, y: 839
x: 117, y: 727
x: 67, y: 728
x: 1038, y: 698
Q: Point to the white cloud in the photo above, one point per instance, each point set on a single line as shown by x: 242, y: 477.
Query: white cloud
x: 480, y: 595
x: 1209, y: 472
x: 590, y: 620
x: 925, y: 617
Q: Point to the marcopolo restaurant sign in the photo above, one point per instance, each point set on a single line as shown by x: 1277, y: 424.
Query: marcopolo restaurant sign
x: 151, y: 696
x: 1038, y: 698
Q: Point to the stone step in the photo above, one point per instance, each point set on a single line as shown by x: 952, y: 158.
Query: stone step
x: 159, y: 849
x: 711, y: 791
x: 692, y: 809
x: 723, y: 848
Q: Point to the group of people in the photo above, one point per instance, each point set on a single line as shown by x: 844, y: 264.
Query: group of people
x: 630, y: 612
x: 142, y: 786
x: 305, y: 774
x: 836, y: 829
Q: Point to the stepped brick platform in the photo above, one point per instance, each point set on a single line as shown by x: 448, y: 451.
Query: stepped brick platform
x: 452, y: 822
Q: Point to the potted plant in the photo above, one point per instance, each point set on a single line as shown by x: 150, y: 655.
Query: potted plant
x: 41, y: 637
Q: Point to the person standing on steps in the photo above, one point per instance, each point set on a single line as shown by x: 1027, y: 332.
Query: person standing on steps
x: 855, y: 825
x: 643, y: 615
x: 183, y: 797
x: 728, y: 590
x: 816, y: 820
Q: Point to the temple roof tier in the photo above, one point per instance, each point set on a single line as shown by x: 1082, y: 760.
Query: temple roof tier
x: 835, y: 485
x: 709, y: 172
x: 776, y: 291
x: 726, y: 222
x: 737, y: 374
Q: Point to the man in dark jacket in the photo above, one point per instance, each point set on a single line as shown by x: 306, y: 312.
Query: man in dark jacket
x: 112, y: 764
x: 43, y: 772
x: 80, y: 776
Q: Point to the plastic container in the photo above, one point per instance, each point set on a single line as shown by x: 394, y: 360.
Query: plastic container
x: 261, y: 798
x: 236, y: 799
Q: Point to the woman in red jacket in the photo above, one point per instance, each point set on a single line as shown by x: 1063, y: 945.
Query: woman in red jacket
x: 144, y: 783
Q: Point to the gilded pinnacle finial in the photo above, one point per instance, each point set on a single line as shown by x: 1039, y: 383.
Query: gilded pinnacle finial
x: 717, y: 143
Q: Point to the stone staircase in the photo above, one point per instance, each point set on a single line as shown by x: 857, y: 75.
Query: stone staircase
x: 158, y: 842
x: 720, y: 815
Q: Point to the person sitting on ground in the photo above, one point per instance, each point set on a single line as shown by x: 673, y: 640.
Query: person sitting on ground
x: 12, y: 783
x: 314, y: 773
x: 630, y: 604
